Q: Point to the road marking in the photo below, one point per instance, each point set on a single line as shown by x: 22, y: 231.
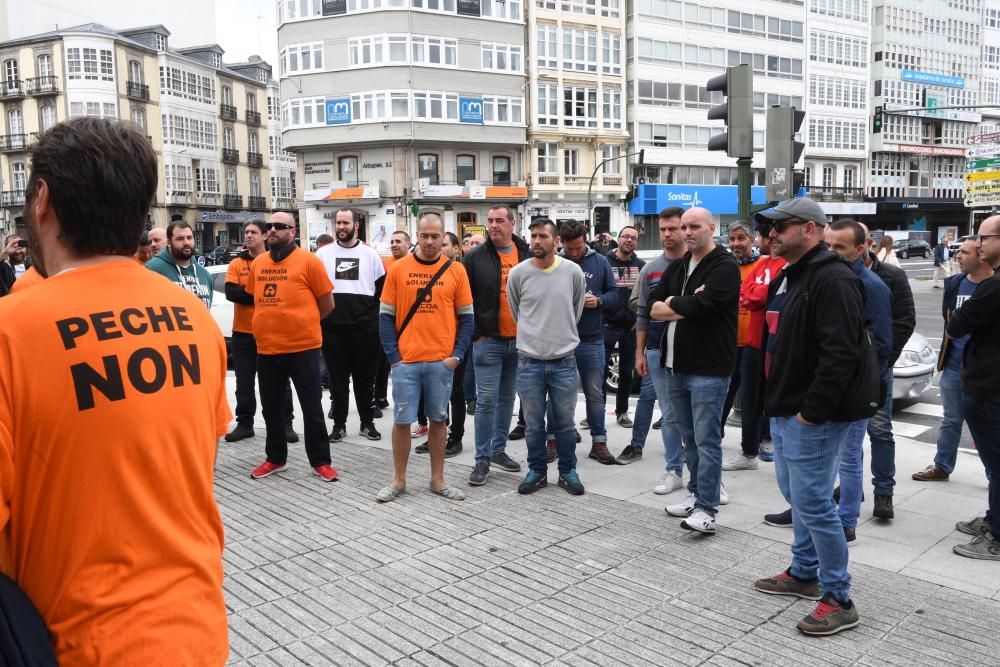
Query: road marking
x: 908, y: 430
x: 927, y: 409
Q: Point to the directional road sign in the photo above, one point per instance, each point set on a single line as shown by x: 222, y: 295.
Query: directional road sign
x: 981, y: 188
x: 989, y: 163
x: 976, y: 176
x: 982, y: 200
x: 990, y: 138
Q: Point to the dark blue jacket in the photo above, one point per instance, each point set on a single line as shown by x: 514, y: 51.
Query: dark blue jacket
x: 601, y: 283
x: 878, y: 313
x: 939, y: 253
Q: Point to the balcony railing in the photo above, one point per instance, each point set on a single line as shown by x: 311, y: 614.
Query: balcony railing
x: 256, y: 203
x: 611, y: 181
x: 548, y: 179
x: 180, y: 197
x: 232, y: 201
x: 42, y: 85
x: 577, y: 180
x: 253, y: 117
x: 12, y: 198
x: 230, y: 156
x: 227, y: 111
x: 209, y: 198
x: 829, y: 193
x: 283, y: 202
x: 255, y: 159
x: 137, y: 91
x: 11, y: 89
x: 13, y: 143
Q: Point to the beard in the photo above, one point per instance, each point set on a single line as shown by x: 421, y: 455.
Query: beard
x: 345, y: 235
x: 181, y: 253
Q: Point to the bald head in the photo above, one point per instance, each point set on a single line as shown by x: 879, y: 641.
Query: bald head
x: 988, y: 241
x: 282, y: 217
x: 698, y: 230
x: 277, y: 239
x: 157, y: 239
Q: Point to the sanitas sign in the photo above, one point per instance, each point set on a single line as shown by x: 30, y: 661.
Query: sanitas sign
x: 719, y: 199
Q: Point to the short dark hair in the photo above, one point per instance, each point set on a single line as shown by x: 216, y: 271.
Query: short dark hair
x: 635, y: 229
x: 847, y: 223
x: 539, y: 222
x: 571, y: 230
x: 101, y: 176
x: 671, y: 212
x: 324, y: 239
x: 259, y: 224
x: 401, y: 233
x: 354, y: 214
x: 453, y: 238
x: 181, y: 224
x: 510, y: 213
x: 144, y: 239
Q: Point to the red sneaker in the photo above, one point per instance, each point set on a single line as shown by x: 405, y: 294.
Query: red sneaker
x: 419, y: 431
x: 266, y: 468
x: 326, y: 472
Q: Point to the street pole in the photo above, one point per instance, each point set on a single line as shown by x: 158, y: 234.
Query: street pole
x: 743, y: 175
x: 590, y: 186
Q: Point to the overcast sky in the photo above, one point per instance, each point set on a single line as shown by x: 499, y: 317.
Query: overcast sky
x: 248, y: 27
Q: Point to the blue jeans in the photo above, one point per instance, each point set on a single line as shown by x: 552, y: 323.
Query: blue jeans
x: 950, y: 430
x: 983, y: 418
x: 883, y: 446
x: 625, y: 340
x: 548, y: 386
x: 495, y: 360
x: 806, y: 459
x: 696, y: 404
x: 673, y: 453
x: 429, y: 381
x: 591, y: 363
x: 852, y: 474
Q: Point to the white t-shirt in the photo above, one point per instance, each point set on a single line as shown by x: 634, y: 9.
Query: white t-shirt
x: 672, y: 326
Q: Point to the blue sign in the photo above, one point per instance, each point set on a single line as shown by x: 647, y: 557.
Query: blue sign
x: 470, y: 110
x: 934, y: 79
x: 720, y: 199
x: 338, y: 111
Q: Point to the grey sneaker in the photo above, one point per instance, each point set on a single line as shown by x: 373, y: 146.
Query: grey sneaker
x: 624, y: 421
x: 504, y: 462
x: 828, y: 618
x: 984, y: 547
x: 741, y: 462
x: 975, y: 527
x: 479, y: 473
x: 784, y: 583
x: 389, y: 493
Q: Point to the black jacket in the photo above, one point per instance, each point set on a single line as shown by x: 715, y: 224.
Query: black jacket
x: 904, y: 314
x: 816, y: 353
x: 7, y: 277
x: 705, y: 340
x: 235, y: 291
x: 979, y: 316
x: 483, y: 266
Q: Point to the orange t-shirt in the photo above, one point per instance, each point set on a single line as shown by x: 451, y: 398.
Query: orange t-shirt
x: 286, y: 315
x: 112, y: 399
x: 387, y: 262
x: 508, y: 328
x: 27, y: 279
x: 238, y: 273
x: 430, y: 335
x: 743, y: 315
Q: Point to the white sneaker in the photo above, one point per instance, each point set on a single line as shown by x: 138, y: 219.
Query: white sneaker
x: 701, y: 521
x: 670, y: 482
x: 741, y: 462
x: 684, y: 507
x: 723, y: 494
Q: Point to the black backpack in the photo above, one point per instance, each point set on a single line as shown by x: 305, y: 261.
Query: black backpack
x: 24, y: 639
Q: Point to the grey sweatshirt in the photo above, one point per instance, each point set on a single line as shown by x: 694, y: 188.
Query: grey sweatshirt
x: 546, y: 304
x: 649, y: 278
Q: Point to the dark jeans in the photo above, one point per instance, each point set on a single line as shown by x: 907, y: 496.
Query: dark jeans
x: 469, y: 378
x: 548, y: 391
x: 350, y: 354
x: 625, y: 340
x: 734, y: 387
x: 883, y: 445
x: 302, y: 368
x: 244, y: 349
x: 456, y: 424
x: 983, y: 419
x: 752, y: 422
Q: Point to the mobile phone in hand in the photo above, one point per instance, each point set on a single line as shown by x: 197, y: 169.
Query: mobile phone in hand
x: 22, y: 243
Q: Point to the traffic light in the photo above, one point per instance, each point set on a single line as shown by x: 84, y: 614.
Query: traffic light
x: 737, y: 111
x: 782, y: 151
x: 877, y: 121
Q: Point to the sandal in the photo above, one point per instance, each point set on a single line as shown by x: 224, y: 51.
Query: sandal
x: 449, y: 492
x: 389, y: 493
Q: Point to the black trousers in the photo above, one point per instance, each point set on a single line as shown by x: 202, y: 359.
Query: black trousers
x: 302, y: 368
x: 381, y: 376
x: 244, y: 348
x: 351, y: 353
x: 734, y: 388
x: 456, y: 424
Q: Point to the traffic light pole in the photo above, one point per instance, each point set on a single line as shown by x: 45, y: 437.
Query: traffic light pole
x: 743, y: 176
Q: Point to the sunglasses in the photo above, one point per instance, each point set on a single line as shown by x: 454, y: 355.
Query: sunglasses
x: 780, y: 226
x: 280, y: 226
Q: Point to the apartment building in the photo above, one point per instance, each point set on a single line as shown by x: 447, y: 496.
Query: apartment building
x: 282, y: 162
x: 576, y: 128
x: 398, y: 106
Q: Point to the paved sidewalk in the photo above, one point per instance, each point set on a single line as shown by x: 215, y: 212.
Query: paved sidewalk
x: 320, y: 574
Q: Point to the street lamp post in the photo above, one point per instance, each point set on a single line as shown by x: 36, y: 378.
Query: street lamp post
x: 590, y: 186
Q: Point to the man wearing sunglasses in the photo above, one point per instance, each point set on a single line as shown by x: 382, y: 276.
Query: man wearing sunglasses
x: 815, y: 310
x: 292, y: 293
x: 979, y: 318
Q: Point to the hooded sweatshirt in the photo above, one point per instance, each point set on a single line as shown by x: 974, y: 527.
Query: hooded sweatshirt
x: 193, y: 278
x: 600, y: 282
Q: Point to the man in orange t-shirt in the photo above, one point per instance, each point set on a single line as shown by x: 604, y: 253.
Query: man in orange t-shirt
x: 27, y: 279
x: 292, y: 293
x: 427, y: 352
x: 108, y: 524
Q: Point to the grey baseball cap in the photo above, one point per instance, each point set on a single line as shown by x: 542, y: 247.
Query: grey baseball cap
x: 802, y: 208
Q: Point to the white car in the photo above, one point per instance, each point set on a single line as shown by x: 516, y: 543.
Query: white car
x: 914, y: 370
x: 222, y: 309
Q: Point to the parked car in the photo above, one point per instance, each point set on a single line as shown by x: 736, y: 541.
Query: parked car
x: 222, y: 309
x: 955, y: 245
x: 906, y: 248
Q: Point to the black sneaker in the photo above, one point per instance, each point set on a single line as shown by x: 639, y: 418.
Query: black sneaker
x: 241, y: 432
x: 376, y: 412
x: 781, y: 519
x: 571, y: 482
x: 505, y: 463
x: 337, y: 433
x: 290, y: 434
x: 850, y: 536
x: 516, y: 433
x: 883, y: 507
x: 422, y: 448
x: 479, y: 473
x: 470, y: 407
x: 630, y: 454
x: 381, y: 403
x: 579, y: 438
x: 658, y: 424
x: 532, y: 482
x: 452, y: 448
x: 624, y: 421
x: 329, y: 413
x: 370, y: 432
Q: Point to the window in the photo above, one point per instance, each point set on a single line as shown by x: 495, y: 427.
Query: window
x: 297, y: 58
x: 429, y: 50
x: 611, y: 53
x: 465, y: 168
x: 579, y: 50
x: 501, y: 170
x: 228, y: 138
x: 227, y: 95
x: 188, y: 85
x: 251, y: 101
x: 368, y: 106
x: 365, y: 50
x: 498, y: 9
x: 254, y: 184
x: 547, y: 163
x: 289, y: 10
x: 427, y: 167
x: 501, y: 57
x: 547, y: 38
x: 502, y: 110
x: 43, y: 65
x: 828, y: 173
x: 348, y: 166
x: 579, y: 107
x: 548, y: 104
x: 10, y: 72
x: 429, y: 105
x: 612, y: 153
x: 206, y: 180
x: 231, y: 182
x: 253, y: 144
x: 177, y: 179
x: 161, y: 42
x: 18, y: 176
x: 850, y: 177
x: 107, y: 65
x: 48, y: 114
x: 612, y: 109
x: 571, y: 161
x: 184, y: 131
x: 807, y: 175
x: 273, y: 107
x: 303, y: 112
x: 135, y: 71
x: 446, y: 6
x: 399, y: 105
x: 139, y: 117
x: 397, y: 48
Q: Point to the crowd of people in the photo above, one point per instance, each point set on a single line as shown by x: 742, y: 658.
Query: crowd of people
x: 799, y: 318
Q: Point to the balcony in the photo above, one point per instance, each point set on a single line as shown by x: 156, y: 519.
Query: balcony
x: 13, y: 143
x: 137, y: 91
x: 178, y: 197
x: 227, y: 111
x: 253, y: 118
x: 209, y: 198
x: 256, y: 203
x: 830, y: 193
x: 232, y: 201
x: 42, y: 85
x: 255, y: 159
x: 11, y: 89
x: 579, y: 181
x: 548, y: 179
x: 12, y: 198
x: 611, y: 181
x: 230, y: 156
x: 283, y: 202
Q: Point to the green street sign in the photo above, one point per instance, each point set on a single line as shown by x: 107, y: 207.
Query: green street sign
x: 993, y: 163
